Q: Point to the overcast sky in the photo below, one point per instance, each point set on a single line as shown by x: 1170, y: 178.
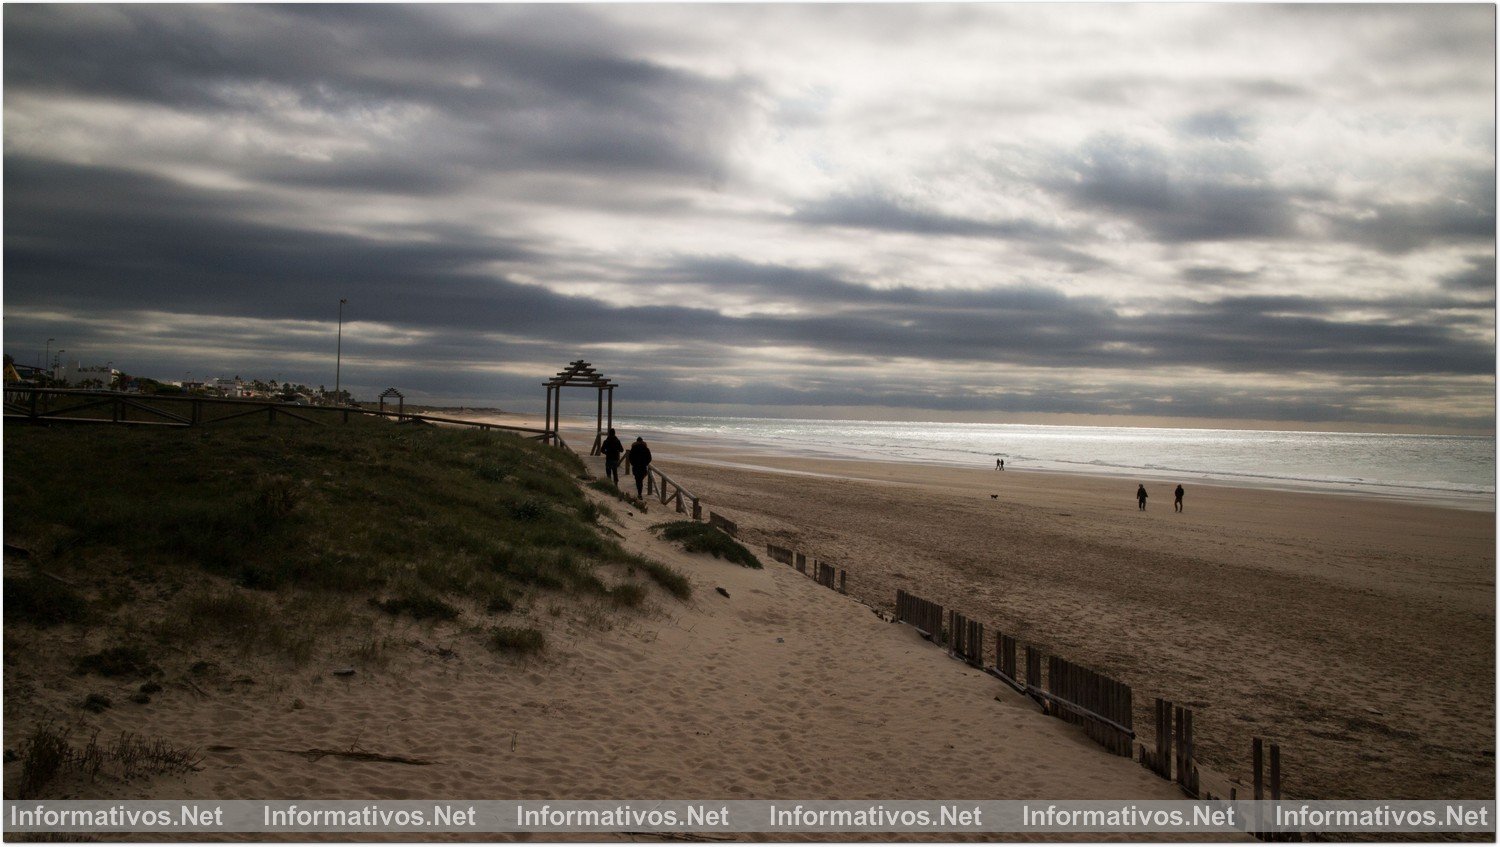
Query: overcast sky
x: 1272, y: 213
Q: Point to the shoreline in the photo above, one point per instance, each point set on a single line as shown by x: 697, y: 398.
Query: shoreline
x: 777, y: 456
x: 1457, y: 503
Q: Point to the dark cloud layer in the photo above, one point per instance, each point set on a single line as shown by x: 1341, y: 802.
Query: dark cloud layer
x: 566, y: 128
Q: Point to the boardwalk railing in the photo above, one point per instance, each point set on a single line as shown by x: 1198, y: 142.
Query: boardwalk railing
x: 670, y: 492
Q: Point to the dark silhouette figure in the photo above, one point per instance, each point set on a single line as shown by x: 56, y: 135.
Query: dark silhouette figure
x: 640, y: 460
x: 612, y: 448
x: 999, y: 464
x: 1177, y: 503
x: 1140, y: 496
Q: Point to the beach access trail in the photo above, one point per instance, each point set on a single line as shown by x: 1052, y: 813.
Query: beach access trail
x: 1357, y: 633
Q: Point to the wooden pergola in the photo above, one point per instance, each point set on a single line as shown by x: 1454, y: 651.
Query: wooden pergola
x: 580, y: 374
x: 400, y: 401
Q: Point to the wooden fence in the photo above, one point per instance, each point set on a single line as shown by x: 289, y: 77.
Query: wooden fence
x: 965, y: 639
x: 925, y: 615
x: 780, y: 554
x: 1101, y: 705
x: 823, y: 573
x: 729, y: 527
x: 77, y: 406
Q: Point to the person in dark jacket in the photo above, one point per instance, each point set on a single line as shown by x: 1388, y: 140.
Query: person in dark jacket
x: 612, y: 448
x: 1177, y: 504
x: 1140, y: 496
x: 640, y: 459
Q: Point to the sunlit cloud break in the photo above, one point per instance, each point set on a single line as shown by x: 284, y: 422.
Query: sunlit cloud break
x: 1181, y: 212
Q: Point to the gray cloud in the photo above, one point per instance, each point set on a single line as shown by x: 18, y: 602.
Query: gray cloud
x: 461, y: 173
x: 881, y: 213
x: 1173, y: 199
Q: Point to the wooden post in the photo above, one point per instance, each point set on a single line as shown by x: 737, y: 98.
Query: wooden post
x: 843, y: 581
x: 1257, y: 767
x: 1188, y: 751
x: 1275, y: 771
x: 1180, y: 744
x: 611, y: 407
x: 546, y: 414
x: 557, y: 413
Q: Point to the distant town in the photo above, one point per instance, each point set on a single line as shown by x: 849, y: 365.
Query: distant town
x: 106, y: 377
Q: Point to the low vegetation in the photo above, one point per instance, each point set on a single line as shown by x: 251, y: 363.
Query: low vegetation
x: 517, y: 640
x: 340, y: 507
x: 705, y: 538
x: 144, y: 560
x: 47, y: 754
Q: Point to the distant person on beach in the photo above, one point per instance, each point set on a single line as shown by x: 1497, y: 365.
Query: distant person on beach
x: 1140, y: 496
x: 640, y: 460
x: 612, y: 448
x: 1177, y: 503
x: 999, y: 464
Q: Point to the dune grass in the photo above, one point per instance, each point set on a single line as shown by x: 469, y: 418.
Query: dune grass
x: 422, y: 522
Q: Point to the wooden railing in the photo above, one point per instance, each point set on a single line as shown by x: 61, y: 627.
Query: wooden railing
x: 658, y: 484
x: 79, y: 406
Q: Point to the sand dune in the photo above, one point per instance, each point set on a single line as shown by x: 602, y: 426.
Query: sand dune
x: 783, y: 689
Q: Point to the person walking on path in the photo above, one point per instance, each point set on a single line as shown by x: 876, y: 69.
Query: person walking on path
x: 640, y: 461
x: 1177, y: 503
x: 1140, y: 496
x: 612, y: 448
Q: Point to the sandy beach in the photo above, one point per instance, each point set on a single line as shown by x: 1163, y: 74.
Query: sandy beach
x: 1357, y: 633
x: 782, y: 689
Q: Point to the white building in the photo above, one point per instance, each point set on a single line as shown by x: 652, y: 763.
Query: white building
x: 75, y: 375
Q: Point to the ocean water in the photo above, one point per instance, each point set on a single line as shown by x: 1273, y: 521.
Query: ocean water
x: 1447, y: 469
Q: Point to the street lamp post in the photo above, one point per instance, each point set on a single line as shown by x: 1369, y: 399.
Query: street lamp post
x: 338, y: 360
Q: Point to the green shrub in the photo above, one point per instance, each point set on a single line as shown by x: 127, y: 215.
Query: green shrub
x: 419, y: 606
x: 276, y: 498
x: 97, y: 702
x: 118, y: 661
x: 516, y: 640
x: 629, y: 595
x: 705, y: 538
x: 530, y: 509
